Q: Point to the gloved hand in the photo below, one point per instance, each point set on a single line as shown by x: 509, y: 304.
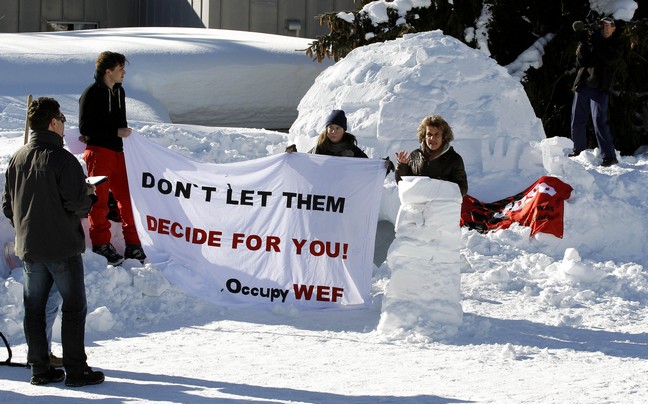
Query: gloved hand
x: 91, y: 189
x: 389, y: 165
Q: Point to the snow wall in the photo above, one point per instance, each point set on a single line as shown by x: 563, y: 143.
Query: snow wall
x: 424, y: 291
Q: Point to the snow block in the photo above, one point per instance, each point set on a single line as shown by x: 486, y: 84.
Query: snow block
x: 428, y: 253
x: 420, y: 214
x: 423, y: 189
x: 444, y: 233
x: 439, y: 322
x: 424, y: 292
x: 435, y: 283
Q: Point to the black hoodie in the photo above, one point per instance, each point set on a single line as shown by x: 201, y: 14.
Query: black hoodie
x: 101, y: 113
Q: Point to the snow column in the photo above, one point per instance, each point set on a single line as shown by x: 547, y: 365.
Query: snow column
x: 424, y: 293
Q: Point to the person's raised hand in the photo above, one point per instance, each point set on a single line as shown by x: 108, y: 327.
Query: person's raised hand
x: 403, y: 157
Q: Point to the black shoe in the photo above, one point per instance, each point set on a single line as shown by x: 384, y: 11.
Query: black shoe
x: 84, y: 378
x: 109, y: 252
x: 574, y: 154
x: 51, y: 376
x: 609, y: 161
x: 135, y: 251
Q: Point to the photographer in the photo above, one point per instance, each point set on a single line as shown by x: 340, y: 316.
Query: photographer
x: 597, y: 54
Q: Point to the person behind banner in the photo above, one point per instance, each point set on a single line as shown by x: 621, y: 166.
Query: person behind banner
x: 45, y: 196
x: 102, y: 123
x: 334, y: 140
x: 435, y: 158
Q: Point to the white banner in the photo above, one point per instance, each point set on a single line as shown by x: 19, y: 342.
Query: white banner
x: 289, y: 229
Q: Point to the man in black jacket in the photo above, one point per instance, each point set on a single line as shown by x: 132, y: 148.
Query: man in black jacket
x: 45, y: 196
x: 597, y: 55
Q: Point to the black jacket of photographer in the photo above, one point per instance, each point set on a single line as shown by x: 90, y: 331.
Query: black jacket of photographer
x: 45, y: 196
x: 596, y: 58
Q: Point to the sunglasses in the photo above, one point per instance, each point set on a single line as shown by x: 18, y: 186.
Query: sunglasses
x: 61, y: 118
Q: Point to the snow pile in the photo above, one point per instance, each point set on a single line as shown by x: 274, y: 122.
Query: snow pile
x: 424, y: 292
x: 599, y: 205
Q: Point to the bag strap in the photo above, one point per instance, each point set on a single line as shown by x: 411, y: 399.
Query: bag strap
x: 8, y: 361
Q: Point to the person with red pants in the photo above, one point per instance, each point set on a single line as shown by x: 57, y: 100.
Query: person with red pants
x: 103, y: 125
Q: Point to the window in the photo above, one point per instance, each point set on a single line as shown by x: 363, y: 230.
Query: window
x: 70, y: 25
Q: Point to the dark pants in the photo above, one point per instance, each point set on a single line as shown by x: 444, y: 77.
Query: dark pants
x: 68, y: 275
x: 592, y: 101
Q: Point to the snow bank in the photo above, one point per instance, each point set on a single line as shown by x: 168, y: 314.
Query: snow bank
x: 198, y: 76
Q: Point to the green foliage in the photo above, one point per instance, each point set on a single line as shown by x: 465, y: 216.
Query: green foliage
x: 345, y: 36
x: 629, y: 105
x: 513, y: 27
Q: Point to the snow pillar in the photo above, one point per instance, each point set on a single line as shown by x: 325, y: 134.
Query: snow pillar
x: 424, y: 291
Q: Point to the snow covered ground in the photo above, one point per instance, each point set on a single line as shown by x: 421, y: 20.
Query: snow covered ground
x: 544, y: 319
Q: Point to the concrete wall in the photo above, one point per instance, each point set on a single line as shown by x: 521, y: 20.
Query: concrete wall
x: 268, y: 16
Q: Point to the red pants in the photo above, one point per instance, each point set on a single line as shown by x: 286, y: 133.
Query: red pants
x: 102, y: 161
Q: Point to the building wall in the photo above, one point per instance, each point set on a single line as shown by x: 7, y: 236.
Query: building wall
x: 267, y: 16
x: 34, y: 15
x: 171, y: 13
x: 271, y: 16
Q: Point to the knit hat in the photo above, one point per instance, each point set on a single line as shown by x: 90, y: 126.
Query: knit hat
x: 338, y: 118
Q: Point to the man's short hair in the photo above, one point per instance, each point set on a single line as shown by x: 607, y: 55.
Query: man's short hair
x: 41, y: 111
x: 109, y: 60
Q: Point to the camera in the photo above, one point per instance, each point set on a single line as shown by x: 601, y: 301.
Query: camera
x: 586, y: 26
x: 584, y: 30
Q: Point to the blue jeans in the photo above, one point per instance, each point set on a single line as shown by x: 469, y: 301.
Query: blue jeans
x: 51, y: 310
x: 592, y: 101
x: 68, y: 276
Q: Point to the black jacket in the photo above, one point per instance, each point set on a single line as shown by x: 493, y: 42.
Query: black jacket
x: 447, y: 167
x: 345, y: 148
x: 45, y: 196
x: 596, y: 58
x: 101, y: 113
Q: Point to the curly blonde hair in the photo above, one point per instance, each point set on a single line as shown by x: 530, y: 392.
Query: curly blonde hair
x: 435, y: 121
